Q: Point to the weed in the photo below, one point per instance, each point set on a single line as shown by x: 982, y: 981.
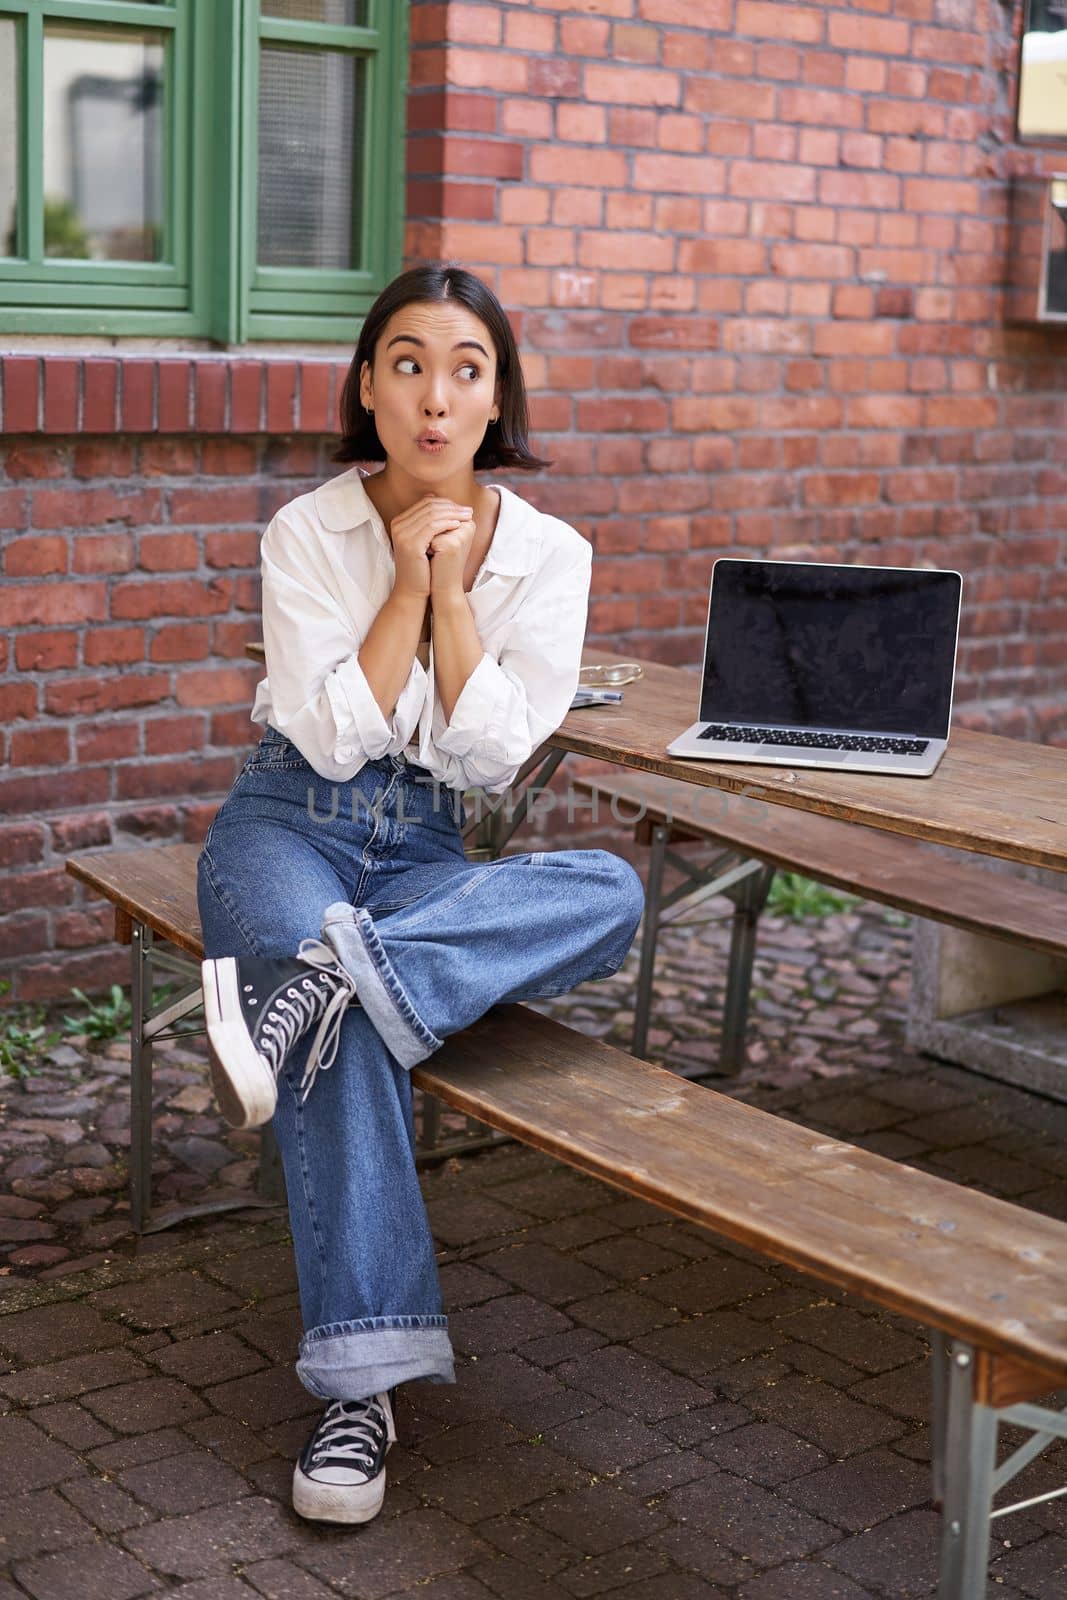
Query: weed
x: 23, y: 1038
x: 793, y: 895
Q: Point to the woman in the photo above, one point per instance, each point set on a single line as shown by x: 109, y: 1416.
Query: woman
x: 423, y: 635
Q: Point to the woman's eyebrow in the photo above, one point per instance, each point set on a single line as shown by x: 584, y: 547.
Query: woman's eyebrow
x: 464, y: 344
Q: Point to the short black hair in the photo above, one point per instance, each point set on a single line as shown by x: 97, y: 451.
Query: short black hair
x: 505, y: 443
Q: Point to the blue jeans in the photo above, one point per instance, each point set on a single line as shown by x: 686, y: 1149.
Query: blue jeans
x: 376, y: 868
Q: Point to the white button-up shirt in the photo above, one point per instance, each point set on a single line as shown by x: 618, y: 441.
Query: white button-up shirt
x: 328, y: 568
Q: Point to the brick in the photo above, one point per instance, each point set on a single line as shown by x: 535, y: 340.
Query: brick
x: 246, y: 380
x: 103, y: 552
x: 61, y: 384
x: 180, y: 597
x: 168, y: 552
x: 100, y: 381
x: 138, y: 396
x: 31, y: 1459
x: 214, y: 1540
x: 112, y: 646
x: 35, y: 556
x: 184, y: 1483
x: 41, y: 1521
x: 22, y: 376
x: 174, y: 379
x: 281, y: 396
x: 99, y: 1572
x: 315, y: 395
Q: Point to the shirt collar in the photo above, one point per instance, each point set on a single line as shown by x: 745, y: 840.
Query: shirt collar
x: 343, y: 505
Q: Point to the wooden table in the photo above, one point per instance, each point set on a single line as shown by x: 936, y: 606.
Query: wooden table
x: 999, y: 797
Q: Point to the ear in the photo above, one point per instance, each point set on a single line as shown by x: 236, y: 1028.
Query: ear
x: 366, y: 388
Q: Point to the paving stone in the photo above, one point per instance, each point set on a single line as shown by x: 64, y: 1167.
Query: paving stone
x: 503, y: 1323
x: 631, y: 1383
x: 764, y: 1453
x: 208, y: 1358
x: 49, y: 1332
x: 704, y: 1554
x: 466, y: 1218
x: 263, y: 1398
x: 95, y: 1572
x: 32, y: 1460
x: 704, y: 1345
x: 857, y: 1493
x: 568, y: 1345
x: 509, y: 1580
x: 764, y: 1528
x: 622, y: 1314
x: 268, y: 1270
x: 390, y: 1556
x: 213, y: 1589
x: 546, y: 1273
x: 275, y: 1334
x: 143, y: 1447
x: 182, y: 1483
x: 229, y: 1439
x: 281, y: 1580
x: 629, y: 1258
x: 72, y: 1425
x: 105, y: 1504
x: 902, y: 1554
x: 606, y: 1440
x: 1040, y: 1569
x: 863, y: 1341
x: 213, y: 1540
x: 627, y: 1567
x: 529, y: 1547
x: 75, y: 1376
x: 828, y: 1418
x: 141, y: 1407
x: 471, y: 1491
x: 905, y: 1391
x: 464, y: 1284
x: 596, y: 1518
x: 673, y: 1585
x: 669, y: 1471
x: 42, y: 1521
x: 717, y: 1281
x: 165, y: 1301
x: 803, y: 1580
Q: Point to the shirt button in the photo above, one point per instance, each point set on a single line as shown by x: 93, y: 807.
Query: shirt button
x: 345, y: 752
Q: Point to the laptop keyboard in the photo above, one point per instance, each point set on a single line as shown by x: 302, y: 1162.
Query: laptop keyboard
x: 814, y: 741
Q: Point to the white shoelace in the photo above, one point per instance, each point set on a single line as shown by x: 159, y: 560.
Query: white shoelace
x: 292, y: 1013
x: 352, y: 1432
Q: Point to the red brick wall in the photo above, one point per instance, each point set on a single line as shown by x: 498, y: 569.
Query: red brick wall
x: 754, y: 254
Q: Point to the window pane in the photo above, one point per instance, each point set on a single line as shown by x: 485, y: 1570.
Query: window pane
x: 339, y: 13
x: 310, y: 105
x: 9, y: 143
x: 103, y: 144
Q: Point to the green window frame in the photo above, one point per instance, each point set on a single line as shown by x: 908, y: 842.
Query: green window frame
x: 208, y: 282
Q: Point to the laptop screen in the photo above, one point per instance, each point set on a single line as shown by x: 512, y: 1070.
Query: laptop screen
x: 800, y: 645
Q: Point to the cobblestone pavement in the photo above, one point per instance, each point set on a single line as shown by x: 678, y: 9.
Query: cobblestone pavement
x: 641, y: 1409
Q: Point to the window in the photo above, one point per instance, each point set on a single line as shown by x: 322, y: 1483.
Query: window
x: 222, y: 168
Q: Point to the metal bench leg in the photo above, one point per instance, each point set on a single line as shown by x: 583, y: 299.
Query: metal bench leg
x: 649, y: 936
x: 140, y: 1077
x: 750, y: 897
x: 970, y: 1451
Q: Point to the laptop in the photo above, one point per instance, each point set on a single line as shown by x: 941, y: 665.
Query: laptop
x: 812, y: 665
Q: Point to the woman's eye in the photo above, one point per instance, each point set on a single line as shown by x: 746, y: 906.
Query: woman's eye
x: 409, y: 359
x: 469, y: 366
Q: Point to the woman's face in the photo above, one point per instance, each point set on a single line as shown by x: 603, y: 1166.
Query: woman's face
x: 434, y: 373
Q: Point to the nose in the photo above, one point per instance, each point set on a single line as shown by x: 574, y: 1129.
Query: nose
x: 434, y: 400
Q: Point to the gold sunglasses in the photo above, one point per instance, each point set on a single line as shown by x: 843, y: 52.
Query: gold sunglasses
x: 615, y: 672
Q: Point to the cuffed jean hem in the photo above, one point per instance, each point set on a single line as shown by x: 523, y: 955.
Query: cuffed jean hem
x: 350, y: 1360
x: 351, y: 933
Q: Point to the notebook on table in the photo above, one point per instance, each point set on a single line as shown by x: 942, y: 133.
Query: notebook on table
x: 810, y: 664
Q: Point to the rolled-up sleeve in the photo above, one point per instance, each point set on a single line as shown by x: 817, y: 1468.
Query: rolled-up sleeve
x: 320, y: 697
x: 508, y: 708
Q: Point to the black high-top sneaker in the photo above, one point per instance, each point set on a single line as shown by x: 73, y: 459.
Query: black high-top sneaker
x: 256, y: 1008
x: 340, y: 1474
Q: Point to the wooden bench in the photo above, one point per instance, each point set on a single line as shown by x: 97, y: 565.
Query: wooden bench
x: 988, y: 1279
x: 756, y: 839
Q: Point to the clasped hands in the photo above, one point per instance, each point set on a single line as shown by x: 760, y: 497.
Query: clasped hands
x: 431, y: 544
